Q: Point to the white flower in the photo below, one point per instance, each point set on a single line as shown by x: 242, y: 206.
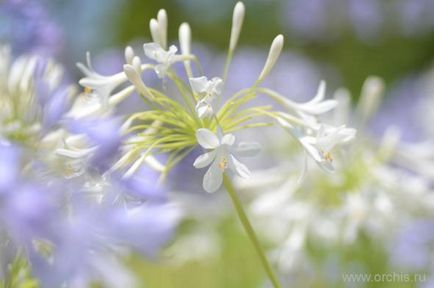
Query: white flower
x: 98, y: 96
x: 102, y: 85
x: 320, y: 146
x: 164, y: 58
x: 209, y: 90
x: 221, y: 157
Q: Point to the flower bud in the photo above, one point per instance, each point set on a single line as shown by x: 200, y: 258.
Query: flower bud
x: 155, y: 31
x: 185, y: 38
x: 134, y: 77
x: 162, y: 27
x: 370, y: 98
x: 129, y: 54
x: 237, y: 23
x: 136, y: 63
x: 273, y: 55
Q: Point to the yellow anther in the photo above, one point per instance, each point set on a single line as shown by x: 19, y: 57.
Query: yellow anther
x: 87, y: 90
x: 328, y: 157
x: 223, y: 164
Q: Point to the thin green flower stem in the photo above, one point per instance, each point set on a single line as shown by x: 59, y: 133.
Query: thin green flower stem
x: 249, y: 229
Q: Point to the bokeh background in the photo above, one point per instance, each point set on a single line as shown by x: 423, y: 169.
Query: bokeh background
x: 340, y: 41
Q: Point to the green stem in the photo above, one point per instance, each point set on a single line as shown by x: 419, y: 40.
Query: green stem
x: 249, y: 229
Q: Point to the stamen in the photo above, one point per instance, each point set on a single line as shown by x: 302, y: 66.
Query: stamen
x: 328, y: 157
x: 223, y: 164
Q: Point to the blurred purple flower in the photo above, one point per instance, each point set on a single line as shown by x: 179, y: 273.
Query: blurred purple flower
x: 28, y: 212
x: 402, y: 99
x: 144, y: 186
x: 29, y: 28
x: 413, y: 248
x: 9, y: 166
x: 103, y: 134
x: 366, y: 17
x: 370, y: 19
x: 308, y: 19
x: 93, y: 233
x: 416, y: 17
x: 54, y: 101
x: 84, y: 236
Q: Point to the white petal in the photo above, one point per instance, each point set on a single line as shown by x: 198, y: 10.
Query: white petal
x: 329, y: 136
x: 239, y: 168
x: 247, y: 149
x: 152, y: 50
x: 319, y: 108
x: 173, y: 49
x: 228, y: 139
x: 161, y: 69
x: 136, y: 165
x: 217, y: 84
x: 326, y: 166
x: 198, y: 84
x: 213, y: 178
x: 204, y: 109
x: 204, y: 160
x: 207, y: 139
x: 347, y: 134
x: 314, y: 152
x: 320, y: 94
x: 74, y: 153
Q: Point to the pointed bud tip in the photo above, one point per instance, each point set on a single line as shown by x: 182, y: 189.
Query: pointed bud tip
x: 185, y: 27
x: 137, y: 63
x: 278, y: 40
x: 237, y: 22
x: 273, y: 55
x: 185, y: 38
x: 129, y: 54
x: 374, y: 83
x: 162, y: 14
x: 239, y: 9
x: 153, y: 24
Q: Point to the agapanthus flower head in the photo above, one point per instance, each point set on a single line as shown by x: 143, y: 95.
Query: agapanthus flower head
x: 177, y: 120
x: 69, y: 236
x: 57, y: 204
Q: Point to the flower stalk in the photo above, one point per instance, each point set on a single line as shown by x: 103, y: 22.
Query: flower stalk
x: 249, y: 230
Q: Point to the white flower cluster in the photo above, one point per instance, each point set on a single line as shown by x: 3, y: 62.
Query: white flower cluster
x: 205, y: 117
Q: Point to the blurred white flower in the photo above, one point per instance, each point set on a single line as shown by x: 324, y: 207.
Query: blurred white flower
x: 98, y: 96
x: 319, y: 147
x: 221, y: 157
